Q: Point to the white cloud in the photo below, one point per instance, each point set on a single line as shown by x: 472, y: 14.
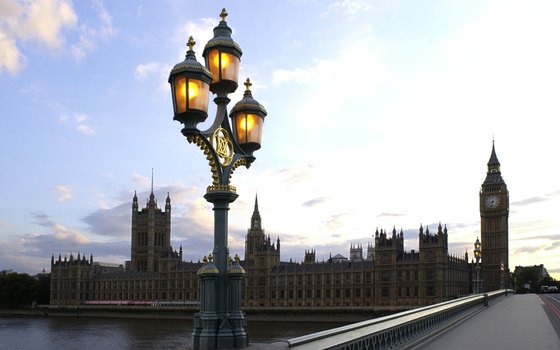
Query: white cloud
x: 144, y: 70
x: 61, y: 232
x: 63, y: 193
x: 329, y: 79
x: 90, y: 35
x: 141, y: 180
x: 39, y: 20
x: 201, y: 31
x: 78, y: 120
x: 351, y: 6
x: 85, y: 129
x: 11, y: 58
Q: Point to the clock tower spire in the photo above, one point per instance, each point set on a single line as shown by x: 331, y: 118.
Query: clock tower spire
x: 494, y: 214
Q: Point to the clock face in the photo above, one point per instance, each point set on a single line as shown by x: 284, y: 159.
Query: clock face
x: 492, y: 201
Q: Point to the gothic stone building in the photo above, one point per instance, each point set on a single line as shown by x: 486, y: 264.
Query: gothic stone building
x: 388, y: 276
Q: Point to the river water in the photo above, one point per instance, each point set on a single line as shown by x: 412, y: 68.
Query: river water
x: 68, y: 333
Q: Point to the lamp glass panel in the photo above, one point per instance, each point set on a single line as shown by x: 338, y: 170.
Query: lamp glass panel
x: 198, y: 94
x: 230, y: 66
x: 249, y: 128
x: 214, y: 64
x: 180, y: 95
x: 223, y: 66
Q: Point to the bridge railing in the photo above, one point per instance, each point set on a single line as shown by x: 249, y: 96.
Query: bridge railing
x: 393, y: 331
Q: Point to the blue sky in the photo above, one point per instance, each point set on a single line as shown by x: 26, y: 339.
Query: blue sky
x: 380, y: 114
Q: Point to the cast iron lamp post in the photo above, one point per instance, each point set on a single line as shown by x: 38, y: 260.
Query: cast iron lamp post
x: 477, y: 282
x: 220, y: 323
x: 502, y: 276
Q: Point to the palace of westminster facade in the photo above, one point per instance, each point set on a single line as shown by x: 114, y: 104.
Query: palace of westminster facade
x: 388, y: 277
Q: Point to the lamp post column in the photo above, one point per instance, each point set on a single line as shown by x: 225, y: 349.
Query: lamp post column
x: 477, y: 253
x: 221, y: 200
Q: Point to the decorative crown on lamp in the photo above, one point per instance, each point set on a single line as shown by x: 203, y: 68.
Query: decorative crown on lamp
x: 189, y: 88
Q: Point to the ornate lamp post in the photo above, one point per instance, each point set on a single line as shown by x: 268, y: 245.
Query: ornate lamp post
x: 502, y: 276
x: 477, y: 282
x: 220, y: 323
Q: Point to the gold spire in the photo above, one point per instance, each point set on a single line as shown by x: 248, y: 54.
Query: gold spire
x: 223, y: 14
x: 248, y: 84
x: 191, y: 43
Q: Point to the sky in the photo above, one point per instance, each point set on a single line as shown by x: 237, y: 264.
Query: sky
x: 381, y: 114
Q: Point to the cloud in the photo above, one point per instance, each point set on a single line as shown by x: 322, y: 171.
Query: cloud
x: 319, y: 76
x: 298, y: 75
x: 536, y: 199
x: 141, y: 180
x: 39, y: 20
x: 390, y: 215
x: 144, y: 70
x: 315, y: 201
x: 85, y: 129
x: 63, y: 193
x: 528, y: 201
x: 350, y: 6
x: 10, y: 58
x: 77, y: 120
x: 91, y: 35
x: 113, y: 222
x: 41, y: 219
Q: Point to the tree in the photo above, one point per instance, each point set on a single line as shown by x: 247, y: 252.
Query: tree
x: 21, y: 290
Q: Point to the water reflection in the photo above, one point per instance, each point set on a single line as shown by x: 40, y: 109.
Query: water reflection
x: 110, y: 333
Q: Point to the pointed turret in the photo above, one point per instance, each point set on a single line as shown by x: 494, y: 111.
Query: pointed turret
x: 167, y: 203
x: 135, y: 202
x: 256, y: 217
x: 493, y: 163
x: 152, y: 200
x: 493, y: 176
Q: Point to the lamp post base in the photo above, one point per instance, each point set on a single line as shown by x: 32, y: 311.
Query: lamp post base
x: 221, y: 324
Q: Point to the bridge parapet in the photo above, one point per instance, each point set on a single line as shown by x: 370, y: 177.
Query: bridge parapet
x: 394, y: 331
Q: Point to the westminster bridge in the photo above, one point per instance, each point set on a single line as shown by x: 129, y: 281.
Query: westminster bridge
x: 496, y: 320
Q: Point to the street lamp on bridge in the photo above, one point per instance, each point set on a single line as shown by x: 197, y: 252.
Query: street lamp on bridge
x: 220, y: 323
x: 477, y: 282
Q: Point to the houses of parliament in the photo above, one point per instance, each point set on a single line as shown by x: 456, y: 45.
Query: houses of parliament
x: 386, y: 277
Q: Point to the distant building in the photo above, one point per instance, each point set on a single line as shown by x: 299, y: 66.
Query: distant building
x: 388, y: 276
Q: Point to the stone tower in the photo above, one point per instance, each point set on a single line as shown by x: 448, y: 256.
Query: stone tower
x: 150, y: 236
x: 434, y: 259
x: 259, y: 251
x: 494, y: 213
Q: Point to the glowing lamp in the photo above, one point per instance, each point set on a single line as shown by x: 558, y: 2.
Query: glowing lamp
x: 477, y: 248
x: 247, y: 119
x: 190, y: 83
x: 222, y: 56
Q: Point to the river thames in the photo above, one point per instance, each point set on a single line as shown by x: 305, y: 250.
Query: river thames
x: 68, y: 333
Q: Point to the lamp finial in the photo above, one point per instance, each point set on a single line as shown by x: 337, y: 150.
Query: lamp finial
x: 191, y: 43
x: 248, y: 84
x: 223, y: 14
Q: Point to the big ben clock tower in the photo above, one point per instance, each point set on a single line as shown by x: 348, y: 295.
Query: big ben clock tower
x: 494, y: 213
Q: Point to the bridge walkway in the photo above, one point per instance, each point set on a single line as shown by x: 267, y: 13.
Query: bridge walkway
x: 518, y: 321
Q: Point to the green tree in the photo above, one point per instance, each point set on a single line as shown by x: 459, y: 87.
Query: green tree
x: 21, y: 290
